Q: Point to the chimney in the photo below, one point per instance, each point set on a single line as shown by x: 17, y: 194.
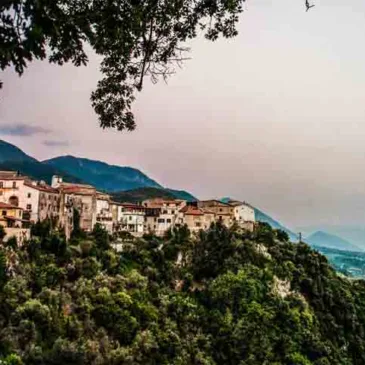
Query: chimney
x: 56, y: 181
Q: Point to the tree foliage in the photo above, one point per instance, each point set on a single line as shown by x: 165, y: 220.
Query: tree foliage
x: 224, y: 296
x: 135, y: 39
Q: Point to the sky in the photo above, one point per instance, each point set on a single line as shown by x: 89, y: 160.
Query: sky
x: 275, y: 116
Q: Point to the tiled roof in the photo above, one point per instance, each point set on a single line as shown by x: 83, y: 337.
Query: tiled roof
x: 8, y: 206
x: 191, y: 210
x: 41, y: 187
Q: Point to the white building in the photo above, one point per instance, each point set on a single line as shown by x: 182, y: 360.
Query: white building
x: 104, y: 214
x: 130, y: 218
x: 243, y: 212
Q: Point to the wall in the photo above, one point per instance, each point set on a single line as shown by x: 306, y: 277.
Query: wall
x: 21, y: 234
x: 244, y: 213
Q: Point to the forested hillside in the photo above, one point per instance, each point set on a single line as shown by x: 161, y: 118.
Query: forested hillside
x: 225, y: 297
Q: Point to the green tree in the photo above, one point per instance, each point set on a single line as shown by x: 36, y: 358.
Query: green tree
x: 136, y: 39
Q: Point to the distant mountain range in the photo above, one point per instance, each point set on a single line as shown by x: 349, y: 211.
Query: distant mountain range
x: 325, y: 239
x: 108, y: 178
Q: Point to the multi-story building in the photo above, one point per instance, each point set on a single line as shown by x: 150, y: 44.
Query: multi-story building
x: 168, y: 213
x: 37, y: 199
x: 223, y: 211
x: 78, y: 196
x: 104, y: 213
x: 196, y: 218
x: 130, y: 218
x: 242, y: 212
x: 11, y: 219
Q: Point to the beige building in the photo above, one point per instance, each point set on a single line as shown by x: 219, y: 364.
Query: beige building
x: 223, y: 211
x: 162, y: 214
x: 11, y: 218
x: 77, y: 196
x: 196, y: 218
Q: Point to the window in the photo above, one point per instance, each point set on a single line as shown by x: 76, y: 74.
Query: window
x: 172, y: 212
x: 29, y: 195
x: 198, y: 224
x: 168, y: 220
x: 14, y: 184
x: 29, y: 206
x: 220, y: 209
x: 3, y: 213
x: 130, y: 217
x: 1, y: 184
x: 1, y: 193
x: 164, y: 211
x: 161, y: 220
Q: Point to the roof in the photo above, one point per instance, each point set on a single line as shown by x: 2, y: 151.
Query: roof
x: 78, y: 189
x: 41, y: 187
x: 213, y: 201
x: 132, y: 206
x: 192, y: 210
x: 11, y: 175
x: 159, y: 202
x: 8, y: 206
x: 74, y: 185
x: 102, y: 196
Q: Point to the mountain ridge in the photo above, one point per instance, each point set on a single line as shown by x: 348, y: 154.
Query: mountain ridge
x: 325, y: 239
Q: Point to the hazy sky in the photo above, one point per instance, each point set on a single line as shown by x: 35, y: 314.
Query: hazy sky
x: 275, y: 116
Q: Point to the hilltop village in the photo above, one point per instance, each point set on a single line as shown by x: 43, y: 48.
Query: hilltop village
x: 24, y: 201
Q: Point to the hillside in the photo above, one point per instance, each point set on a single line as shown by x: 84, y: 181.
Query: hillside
x: 109, y: 178
x: 238, y: 298
x: 325, y: 239
x: 9, y: 152
x: 103, y: 176
x: 13, y: 158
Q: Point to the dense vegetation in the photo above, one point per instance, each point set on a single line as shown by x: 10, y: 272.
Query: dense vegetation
x: 140, y: 194
x: 350, y: 263
x: 224, y: 297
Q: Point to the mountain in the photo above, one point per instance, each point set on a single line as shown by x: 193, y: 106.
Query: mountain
x: 105, y: 177
x: 9, y: 152
x: 182, y: 194
x: 13, y: 158
x: 325, y: 239
x: 263, y: 217
x: 109, y: 178
x: 115, y: 179
x: 140, y: 194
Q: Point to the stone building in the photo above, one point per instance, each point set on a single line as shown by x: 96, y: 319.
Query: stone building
x: 165, y: 214
x: 223, y: 211
x: 77, y: 196
x: 196, y: 218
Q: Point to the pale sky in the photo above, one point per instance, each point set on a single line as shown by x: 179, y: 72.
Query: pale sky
x: 275, y: 116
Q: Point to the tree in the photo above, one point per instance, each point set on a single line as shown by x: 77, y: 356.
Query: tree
x: 135, y: 39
